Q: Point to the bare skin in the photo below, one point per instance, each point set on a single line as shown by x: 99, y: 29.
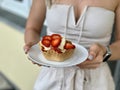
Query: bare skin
x: 37, y: 16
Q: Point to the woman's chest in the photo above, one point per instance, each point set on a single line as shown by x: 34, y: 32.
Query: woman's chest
x: 79, y: 4
x: 92, y: 20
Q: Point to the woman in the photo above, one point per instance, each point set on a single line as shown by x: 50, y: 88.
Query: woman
x: 87, y: 22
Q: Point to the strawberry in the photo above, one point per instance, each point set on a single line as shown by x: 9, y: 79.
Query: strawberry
x: 69, y: 46
x: 47, y: 37
x: 55, y: 36
x: 55, y: 42
x: 46, y: 42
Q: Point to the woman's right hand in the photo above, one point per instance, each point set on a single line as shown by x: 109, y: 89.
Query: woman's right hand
x: 26, y: 50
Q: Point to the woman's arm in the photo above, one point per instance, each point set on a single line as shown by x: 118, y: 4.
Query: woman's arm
x: 115, y: 47
x: 34, y: 23
x: 97, y: 51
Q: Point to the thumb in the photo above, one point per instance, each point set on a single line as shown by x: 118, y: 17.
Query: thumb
x: 26, y: 48
x: 93, y: 52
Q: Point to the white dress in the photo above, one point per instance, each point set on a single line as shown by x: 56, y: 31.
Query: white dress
x: 94, y: 25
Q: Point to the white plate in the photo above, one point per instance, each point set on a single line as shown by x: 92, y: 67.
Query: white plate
x: 80, y: 55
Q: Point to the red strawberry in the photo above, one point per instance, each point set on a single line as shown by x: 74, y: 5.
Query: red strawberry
x: 55, y: 36
x: 47, y: 37
x: 69, y: 46
x: 55, y: 42
x: 46, y: 42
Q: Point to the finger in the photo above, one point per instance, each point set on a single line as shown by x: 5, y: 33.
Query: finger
x: 93, y: 51
x: 34, y: 62
x: 92, y: 66
x: 28, y: 58
x: 96, y: 60
x: 99, y: 59
x: 86, y: 62
x: 26, y: 48
x: 90, y: 57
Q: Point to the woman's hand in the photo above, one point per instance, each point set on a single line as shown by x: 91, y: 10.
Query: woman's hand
x: 26, y: 50
x: 95, y: 57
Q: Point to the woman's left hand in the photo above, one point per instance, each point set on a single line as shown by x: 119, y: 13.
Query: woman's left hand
x: 95, y: 58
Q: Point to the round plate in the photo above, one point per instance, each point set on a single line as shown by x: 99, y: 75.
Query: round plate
x: 80, y: 55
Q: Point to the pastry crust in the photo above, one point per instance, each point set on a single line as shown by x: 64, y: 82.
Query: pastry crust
x: 59, y: 57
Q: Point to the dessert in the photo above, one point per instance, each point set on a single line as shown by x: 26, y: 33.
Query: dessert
x: 56, y: 48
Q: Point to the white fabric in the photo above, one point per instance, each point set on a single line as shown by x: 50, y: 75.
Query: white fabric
x: 74, y: 78
x: 70, y: 78
x: 96, y: 23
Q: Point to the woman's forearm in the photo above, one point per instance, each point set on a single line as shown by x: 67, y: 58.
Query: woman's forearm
x: 31, y: 37
x: 35, y: 22
x: 115, y: 49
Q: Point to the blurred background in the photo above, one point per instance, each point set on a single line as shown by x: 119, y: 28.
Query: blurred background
x: 16, y: 71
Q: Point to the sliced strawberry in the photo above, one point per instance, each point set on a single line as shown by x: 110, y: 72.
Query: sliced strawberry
x: 69, y: 46
x: 55, y: 42
x: 46, y: 42
x: 55, y: 36
x: 47, y: 37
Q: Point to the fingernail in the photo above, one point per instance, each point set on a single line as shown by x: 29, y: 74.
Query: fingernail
x: 90, y: 57
x: 25, y: 50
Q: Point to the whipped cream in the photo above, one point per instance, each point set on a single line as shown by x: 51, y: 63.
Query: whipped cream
x: 46, y: 48
x: 62, y: 44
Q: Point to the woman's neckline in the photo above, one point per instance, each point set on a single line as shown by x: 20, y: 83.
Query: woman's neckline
x: 85, y: 5
x: 80, y: 16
